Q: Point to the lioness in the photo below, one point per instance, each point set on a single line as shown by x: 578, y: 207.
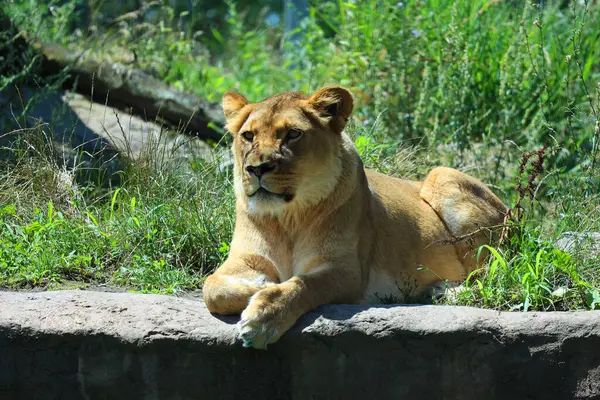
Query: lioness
x: 314, y: 227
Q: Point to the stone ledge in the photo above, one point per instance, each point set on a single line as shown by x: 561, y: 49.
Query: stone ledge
x: 93, y: 345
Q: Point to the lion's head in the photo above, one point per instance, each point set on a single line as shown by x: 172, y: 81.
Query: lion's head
x: 286, y: 148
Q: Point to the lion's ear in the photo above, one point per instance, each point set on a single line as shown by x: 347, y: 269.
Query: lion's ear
x: 333, y: 102
x: 232, y: 103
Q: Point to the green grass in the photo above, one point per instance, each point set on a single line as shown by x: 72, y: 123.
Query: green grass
x: 472, y: 85
x: 154, y: 233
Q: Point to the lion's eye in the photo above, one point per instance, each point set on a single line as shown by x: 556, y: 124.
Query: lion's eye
x: 249, y: 136
x: 294, y: 134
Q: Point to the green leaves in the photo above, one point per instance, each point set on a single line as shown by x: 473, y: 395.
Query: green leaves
x: 530, y: 275
x: 592, y: 298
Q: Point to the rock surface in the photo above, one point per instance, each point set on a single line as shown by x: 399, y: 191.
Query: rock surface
x: 586, y: 244
x: 92, y: 345
x: 73, y: 119
x: 92, y: 135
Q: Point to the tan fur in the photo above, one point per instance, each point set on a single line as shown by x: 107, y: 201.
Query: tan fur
x: 330, y: 231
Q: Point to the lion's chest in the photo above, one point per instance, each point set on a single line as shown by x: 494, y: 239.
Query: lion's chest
x: 294, y: 258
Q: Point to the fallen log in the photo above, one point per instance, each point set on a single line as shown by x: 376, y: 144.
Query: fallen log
x: 136, y: 91
x: 118, y: 86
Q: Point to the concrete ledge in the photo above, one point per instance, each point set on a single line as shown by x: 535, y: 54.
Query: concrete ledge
x: 92, y: 345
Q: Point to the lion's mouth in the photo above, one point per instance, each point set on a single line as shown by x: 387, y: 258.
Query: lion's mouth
x: 262, y: 193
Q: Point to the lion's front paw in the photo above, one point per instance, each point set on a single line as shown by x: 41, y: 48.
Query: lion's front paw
x: 264, y: 320
x: 257, y: 333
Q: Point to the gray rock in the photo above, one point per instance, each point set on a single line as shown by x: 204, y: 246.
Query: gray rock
x: 94, y: 137
x: 586, y: 244
x: 90, y: 345
x: 44, y: 120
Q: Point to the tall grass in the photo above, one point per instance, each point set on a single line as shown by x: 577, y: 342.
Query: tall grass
x: 161, y: 230
x: 472, y: 85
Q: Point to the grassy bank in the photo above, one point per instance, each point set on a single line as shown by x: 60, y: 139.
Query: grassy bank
x: 472, y: 85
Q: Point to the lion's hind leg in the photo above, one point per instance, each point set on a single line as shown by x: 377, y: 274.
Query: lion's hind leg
x: 469, y: 209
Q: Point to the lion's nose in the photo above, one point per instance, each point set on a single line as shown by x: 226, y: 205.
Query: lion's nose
x: 260, y: 169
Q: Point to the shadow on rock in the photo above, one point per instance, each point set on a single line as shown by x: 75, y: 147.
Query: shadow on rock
x: 42, y: 122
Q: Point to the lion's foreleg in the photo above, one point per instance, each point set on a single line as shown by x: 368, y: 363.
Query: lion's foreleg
x: 275, y: 309
x: 229, y: 289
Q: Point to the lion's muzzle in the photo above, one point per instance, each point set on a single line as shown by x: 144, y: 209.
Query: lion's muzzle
x: 261, y: 169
